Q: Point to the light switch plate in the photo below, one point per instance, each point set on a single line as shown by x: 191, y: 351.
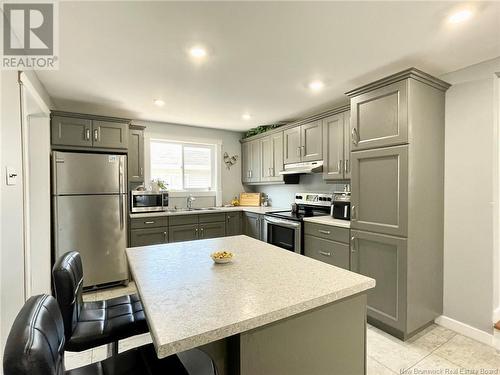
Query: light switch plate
x: 11, y: 175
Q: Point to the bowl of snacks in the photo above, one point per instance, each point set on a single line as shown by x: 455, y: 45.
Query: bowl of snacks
x: 222, y: 256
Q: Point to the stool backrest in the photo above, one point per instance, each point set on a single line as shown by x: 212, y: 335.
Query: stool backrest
x: 35, y: 344
x: 67, y: 276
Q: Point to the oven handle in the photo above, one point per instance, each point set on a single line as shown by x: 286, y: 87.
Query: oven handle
x: 283, y: 223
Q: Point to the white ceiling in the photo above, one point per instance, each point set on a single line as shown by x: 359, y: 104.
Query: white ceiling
x: 116, y: 57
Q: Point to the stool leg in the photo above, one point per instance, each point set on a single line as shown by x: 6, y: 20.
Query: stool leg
x: 113, y: 349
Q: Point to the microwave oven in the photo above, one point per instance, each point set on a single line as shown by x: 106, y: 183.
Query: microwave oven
x: 148, y: 201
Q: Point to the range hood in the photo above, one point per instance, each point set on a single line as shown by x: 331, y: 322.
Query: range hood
x: 301, y: 168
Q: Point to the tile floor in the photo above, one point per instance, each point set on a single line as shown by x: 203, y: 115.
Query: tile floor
x: 436, y: 350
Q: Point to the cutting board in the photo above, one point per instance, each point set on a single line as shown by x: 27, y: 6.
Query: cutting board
x: 250, y: 199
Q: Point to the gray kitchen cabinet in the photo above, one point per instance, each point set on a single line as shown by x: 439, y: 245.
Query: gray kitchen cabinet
x: 382, y: 258
x: 252, y: 225
x: 379, y: 198
x: 146, y: 237
x: 212, y: 230
x: 186, y: 232
x: 291, y: 145
x: 336, y: 147
x: 70, y: 131
x: 328, y: 232
x: 251, y: 167
x: 331, y: 252
x: 310, y: 141
x: 271, y: 151
x: 397, y: 199
x: 380, y: 117
x: 233, y: 224
x: 212, y: 217
x: 108, y: 134
x: 246, y: 160
x: 136, y: 154
x: 148, y: 222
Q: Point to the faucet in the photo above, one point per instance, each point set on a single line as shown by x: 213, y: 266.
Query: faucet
x: 190, y: 201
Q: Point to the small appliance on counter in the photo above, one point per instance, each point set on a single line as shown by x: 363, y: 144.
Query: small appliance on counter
x: 341, y: 206
x: 284, y: 228
x: 148, y: 201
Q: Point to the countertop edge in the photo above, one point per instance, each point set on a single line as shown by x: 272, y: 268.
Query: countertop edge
x: 236, y: 328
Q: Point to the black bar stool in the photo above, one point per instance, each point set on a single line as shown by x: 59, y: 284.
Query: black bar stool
x: 91, y: 324
x: 36, y: 341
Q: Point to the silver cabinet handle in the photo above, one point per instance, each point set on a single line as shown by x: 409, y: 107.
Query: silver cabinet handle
x: 149, y: 222
x: 346, y: 165
x: 325, y: 253
x: 140, y: 171
x: 323, y: 231
x: 96, y: 135
x: 164, y: 236
x: 354, y: 136
x: 87, y: 134
x: 353, y: 244
x: 339, y: 165
x: 354, y: 213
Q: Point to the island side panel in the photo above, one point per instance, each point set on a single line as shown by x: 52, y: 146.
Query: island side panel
x: 328, y: 340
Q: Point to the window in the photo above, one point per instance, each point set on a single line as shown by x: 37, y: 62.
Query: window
x: 184, y: 166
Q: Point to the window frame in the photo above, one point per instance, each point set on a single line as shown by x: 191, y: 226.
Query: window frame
x: 213, y: 170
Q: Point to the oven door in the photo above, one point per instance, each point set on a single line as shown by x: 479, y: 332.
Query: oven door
x: 146, y: 202
x: 284, y: 233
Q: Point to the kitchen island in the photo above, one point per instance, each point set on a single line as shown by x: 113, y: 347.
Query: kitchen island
x: 269, y: 311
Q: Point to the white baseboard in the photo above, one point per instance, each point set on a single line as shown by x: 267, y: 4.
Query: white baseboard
x: 496, y: 315
x: 466, y: 330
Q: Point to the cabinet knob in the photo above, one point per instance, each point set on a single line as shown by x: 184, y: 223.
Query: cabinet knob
x: 325, y: 253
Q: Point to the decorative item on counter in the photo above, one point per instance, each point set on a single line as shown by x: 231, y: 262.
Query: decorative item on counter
x: 235, y: 201
x: 230, y: 160
x: 265, y: 200
x: 158, y: 185
x: 250, y: 199
x: 222, y: 256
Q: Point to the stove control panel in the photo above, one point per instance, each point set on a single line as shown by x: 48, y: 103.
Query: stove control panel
x: 314, y: 199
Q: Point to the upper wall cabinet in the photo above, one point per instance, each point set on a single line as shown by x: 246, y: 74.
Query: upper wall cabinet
x: 271, y: 149
x: 303, y: 143
x: 71, y: 131
x: 136, y: 154
x: 89, y: 133
x: 336, y: 147
x: 379, y: 117
x: 250, y: 171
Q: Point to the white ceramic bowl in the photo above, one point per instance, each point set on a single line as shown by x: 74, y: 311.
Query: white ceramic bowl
x: 222, y: 260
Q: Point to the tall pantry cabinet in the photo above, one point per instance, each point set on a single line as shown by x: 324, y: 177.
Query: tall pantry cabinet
x: 397, y: 178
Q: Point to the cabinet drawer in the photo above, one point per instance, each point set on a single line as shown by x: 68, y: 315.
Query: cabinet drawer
x: 183, y: 219
x: 328, y: 232
x: 149, y: 222
x: 334, y: 253
x: 212, y: 218
x: 146, y: 237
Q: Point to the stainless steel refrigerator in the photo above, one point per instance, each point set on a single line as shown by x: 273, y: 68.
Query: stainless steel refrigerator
x: 89, y: 196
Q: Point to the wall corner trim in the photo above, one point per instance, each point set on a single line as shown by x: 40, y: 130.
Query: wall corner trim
x: 466, y: 330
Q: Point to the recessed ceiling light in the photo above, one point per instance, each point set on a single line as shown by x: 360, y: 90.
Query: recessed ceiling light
x: 316, y: 85
x: 159, y: 102
x: 246, y: 116
x: 198, y: 52
x: 460, y: 16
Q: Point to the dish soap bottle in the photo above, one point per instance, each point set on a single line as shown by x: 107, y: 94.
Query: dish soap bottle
x: 235, y: 201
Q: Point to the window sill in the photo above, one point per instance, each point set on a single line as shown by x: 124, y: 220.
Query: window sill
x: 187, y: 193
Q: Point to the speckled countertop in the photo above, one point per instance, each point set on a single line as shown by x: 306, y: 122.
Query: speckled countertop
x: 190, y: 301
x: 258, y: 210
x: 328, y: 220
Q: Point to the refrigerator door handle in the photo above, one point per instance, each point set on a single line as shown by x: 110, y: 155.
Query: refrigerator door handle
x: 120, y: 189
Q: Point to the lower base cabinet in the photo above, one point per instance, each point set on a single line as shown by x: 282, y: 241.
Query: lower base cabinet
x: 383, y: 258
x: 179, y: 233
x: 233, y: 224
x: 334, y: 253
x: 145, y: 237
x: 212, y: 230
x: 252, y: 225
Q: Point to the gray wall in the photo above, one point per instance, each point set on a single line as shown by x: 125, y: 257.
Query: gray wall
x: 283, y: 195
x: 470, y: 198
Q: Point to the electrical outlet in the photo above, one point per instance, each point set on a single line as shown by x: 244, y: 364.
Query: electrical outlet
x: 11, y: 175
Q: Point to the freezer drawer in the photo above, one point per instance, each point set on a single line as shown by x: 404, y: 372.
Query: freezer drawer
x: 80, y: 173
x: 96, y: 227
